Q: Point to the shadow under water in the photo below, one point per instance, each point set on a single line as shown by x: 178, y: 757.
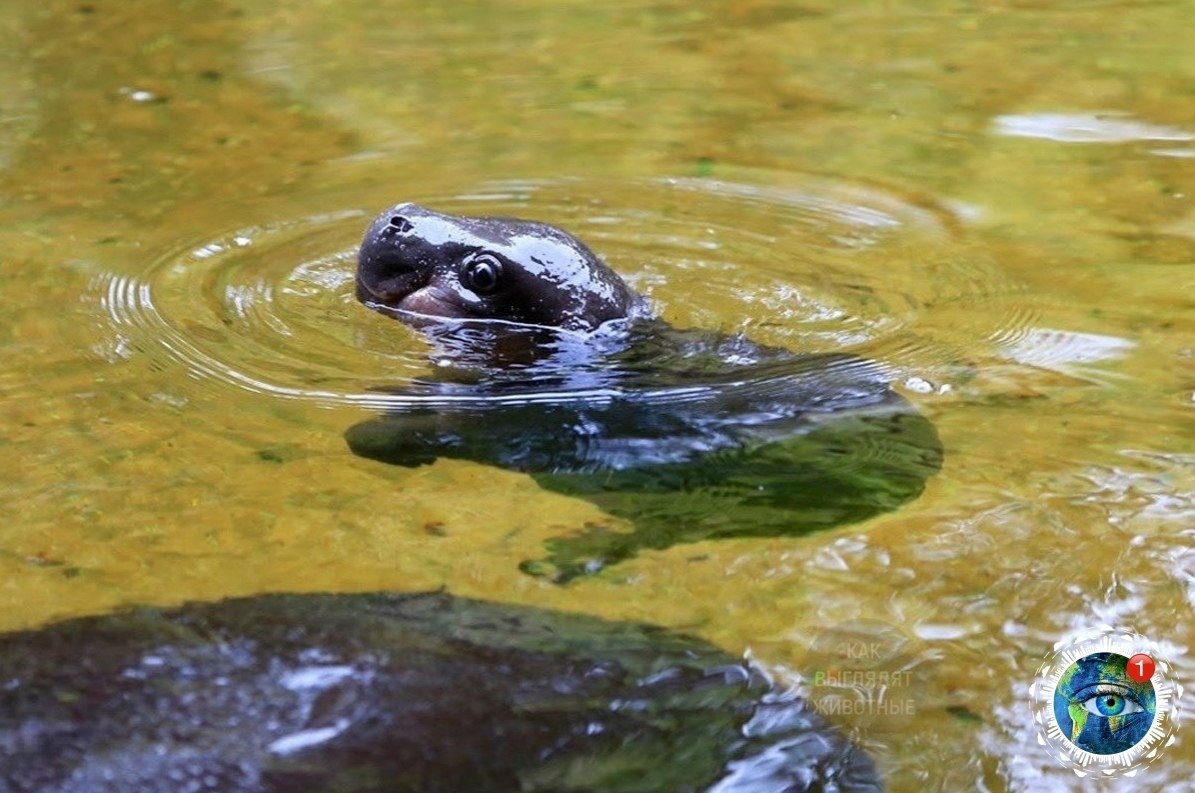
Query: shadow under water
x: 397, y: 693
x: 686, y: 435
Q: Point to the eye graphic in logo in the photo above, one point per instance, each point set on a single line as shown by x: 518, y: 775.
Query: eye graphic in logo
x: 1099, y: 708
x: 1103, y: 704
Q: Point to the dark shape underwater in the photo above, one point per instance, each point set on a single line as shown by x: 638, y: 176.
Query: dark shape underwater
x: 667, y: 435
x: 549, y: 364
x: 383, y: 693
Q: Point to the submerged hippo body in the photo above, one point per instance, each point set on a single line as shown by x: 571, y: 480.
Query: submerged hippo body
x: 551, y: 365
x: 396, y: 694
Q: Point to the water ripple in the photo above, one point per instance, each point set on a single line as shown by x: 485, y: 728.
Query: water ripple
x: 810, y: 265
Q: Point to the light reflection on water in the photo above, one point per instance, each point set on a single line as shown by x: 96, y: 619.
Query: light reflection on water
x: 1088, y: 128
x: 1014, y: 243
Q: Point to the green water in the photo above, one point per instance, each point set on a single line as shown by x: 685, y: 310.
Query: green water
x: 995, y: 200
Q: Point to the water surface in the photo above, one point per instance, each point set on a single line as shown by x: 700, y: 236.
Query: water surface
x: 992, y: 200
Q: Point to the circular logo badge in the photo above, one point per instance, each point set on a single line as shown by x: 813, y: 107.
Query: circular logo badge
x: 1103, y: 704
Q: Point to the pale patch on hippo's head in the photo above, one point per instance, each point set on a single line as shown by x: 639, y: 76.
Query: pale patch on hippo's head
x: 416, y: 263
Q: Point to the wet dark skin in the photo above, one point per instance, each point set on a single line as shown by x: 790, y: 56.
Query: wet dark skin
x: 380, y: 693
x: 556, y: 368
x: 423, y: 262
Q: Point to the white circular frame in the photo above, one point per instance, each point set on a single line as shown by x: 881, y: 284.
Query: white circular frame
x: 1087, y: 764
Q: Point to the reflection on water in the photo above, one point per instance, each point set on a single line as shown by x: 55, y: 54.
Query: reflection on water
x: 1062, y: 351
x: 1087, y: 128
x: 173, y: 400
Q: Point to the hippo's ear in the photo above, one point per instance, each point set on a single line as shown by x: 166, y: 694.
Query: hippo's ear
x: 381, y: 439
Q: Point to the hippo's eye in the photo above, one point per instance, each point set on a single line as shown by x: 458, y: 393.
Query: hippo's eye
x: 482, y: 274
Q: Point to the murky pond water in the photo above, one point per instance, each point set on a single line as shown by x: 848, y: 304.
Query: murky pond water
x: 995, y: 201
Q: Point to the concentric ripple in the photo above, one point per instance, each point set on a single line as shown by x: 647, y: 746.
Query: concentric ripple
x: 809, y: 264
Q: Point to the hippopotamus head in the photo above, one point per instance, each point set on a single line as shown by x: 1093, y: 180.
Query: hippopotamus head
x: 416, y: 263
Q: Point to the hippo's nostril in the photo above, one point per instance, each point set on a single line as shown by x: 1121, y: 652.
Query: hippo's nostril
x: 400, y: 224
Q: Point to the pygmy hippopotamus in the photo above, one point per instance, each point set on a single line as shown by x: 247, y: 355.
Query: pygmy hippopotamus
x: 550, y: 364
